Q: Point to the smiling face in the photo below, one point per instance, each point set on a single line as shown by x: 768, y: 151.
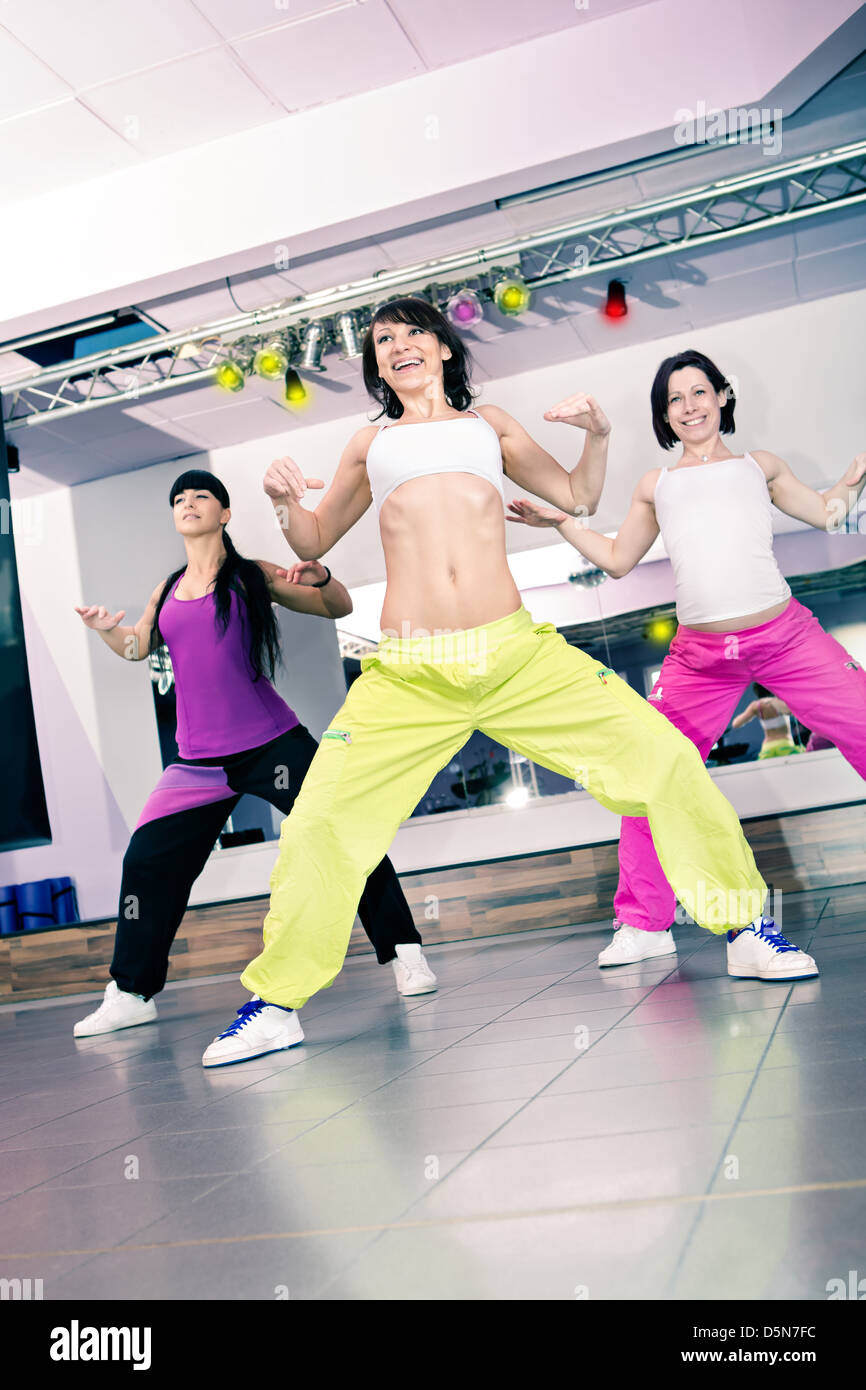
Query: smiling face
x: 198, y: 513
x: 410, y: 359
x: 694, y: 409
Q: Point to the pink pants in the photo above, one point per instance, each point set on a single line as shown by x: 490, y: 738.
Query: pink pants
x: 700, y: 685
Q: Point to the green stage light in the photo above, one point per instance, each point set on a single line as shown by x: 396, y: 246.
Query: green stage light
x: 512, y: 295
x: 296, y: 392
x: 660, y: 629
x: 271, y: 360
x: 230, y: 375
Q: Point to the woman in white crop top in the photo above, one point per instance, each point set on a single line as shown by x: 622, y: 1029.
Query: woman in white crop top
x: 434, y: 470
x: 460, y: 652
x: 738, y: 620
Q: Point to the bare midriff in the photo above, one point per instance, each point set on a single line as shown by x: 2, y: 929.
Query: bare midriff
x: 747, y: 620
x: 444, y: 542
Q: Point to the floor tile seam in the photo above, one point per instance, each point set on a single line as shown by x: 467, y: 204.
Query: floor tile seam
x: 31, y: 1129
x: 528, y: 1213
x: 675, y: 1273
x: 124, y: 1143
x: 220, y: 1181
x: 449, y: 1046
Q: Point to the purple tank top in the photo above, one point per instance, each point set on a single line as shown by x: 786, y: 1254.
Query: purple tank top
x: 221, y: 709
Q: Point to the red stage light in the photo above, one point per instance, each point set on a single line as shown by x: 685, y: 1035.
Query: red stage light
x: 615, y: 306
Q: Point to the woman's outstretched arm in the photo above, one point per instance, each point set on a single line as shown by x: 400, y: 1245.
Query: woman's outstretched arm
x: 824, y: 510
x: 132, y: 643
x: 576, y: 491
x: 615, y: 555
x: 311, y: 534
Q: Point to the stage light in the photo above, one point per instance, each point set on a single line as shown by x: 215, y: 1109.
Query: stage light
x: 660, y: 630
x: 296, y: 392
x: 464, y: 309
x: 272, y: 359
x: 230, y: 375
x: 347, y: 328
x: 312, y: 347
x: 518, y: 797
x: 615, y: 305
x: 511, y: 295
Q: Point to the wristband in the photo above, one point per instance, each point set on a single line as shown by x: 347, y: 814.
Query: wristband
x: 323, y: 582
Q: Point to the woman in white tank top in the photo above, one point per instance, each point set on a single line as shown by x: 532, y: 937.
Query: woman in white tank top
x: 738, y: 621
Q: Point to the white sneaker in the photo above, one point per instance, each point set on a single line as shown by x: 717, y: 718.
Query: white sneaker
x: 259, y: 1028
x: 765, y: 955
x: 630, y: 944
x: 412, y: 972
x: 117, y: 1010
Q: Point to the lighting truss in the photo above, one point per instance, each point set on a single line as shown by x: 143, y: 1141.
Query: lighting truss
x: 746, y: 203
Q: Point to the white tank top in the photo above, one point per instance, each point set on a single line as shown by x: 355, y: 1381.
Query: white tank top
x: 469, y: 445
x: 716, y: 522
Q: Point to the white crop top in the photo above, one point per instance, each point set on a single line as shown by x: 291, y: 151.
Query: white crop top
x: 716, y: 522
x: 416, y: 450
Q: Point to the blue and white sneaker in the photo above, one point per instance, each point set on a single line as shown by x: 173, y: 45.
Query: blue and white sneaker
x: 766, y: 955
x: 258, y: 1029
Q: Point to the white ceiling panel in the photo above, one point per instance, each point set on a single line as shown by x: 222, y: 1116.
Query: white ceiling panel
x: 188, y: 102
x: 815, y: 235
x: 87, y: 148
x: 736, y: 256
x: 771, y: 286
x: 450, y: 31
x: 92, y: 41
x: 337, y: 55
x: 518, y: 352
x: 27, y: 84
x: 588, y: 200
x: 241, y: 422
x: 259, y: 289
x: 644, y: 322
x: 241, y: 18
x: 831, y: 273
x: 338, y: 267
x: 446, y: 235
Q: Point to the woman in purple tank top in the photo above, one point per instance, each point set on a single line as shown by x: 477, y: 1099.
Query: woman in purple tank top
x: 235, y: 735
x: 738, y: 623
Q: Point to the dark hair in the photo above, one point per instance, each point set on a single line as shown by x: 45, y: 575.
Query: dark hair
x: 237, y: 574
x: 763, y: 692
x: 419, y: 314
x: 659, y: 394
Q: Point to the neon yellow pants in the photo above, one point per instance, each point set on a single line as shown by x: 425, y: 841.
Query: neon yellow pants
x: 412, y: 708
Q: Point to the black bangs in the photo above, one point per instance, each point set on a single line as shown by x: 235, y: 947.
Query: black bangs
x: 199, y: 479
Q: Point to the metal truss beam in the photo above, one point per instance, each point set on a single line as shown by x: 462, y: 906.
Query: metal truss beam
x: 745, y: 204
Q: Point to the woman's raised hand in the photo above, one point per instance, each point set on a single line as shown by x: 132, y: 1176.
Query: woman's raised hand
x: 284, y: 481
x: 581, y: 410
x: 533, y: 514
x: 304, y: 572
x: 99, y: 618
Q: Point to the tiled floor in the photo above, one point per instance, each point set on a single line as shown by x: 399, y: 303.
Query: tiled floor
x: 537, y: 1129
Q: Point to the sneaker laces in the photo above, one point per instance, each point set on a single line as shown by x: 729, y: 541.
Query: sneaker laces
x: 245, y: 1013
x: 770, y: 933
